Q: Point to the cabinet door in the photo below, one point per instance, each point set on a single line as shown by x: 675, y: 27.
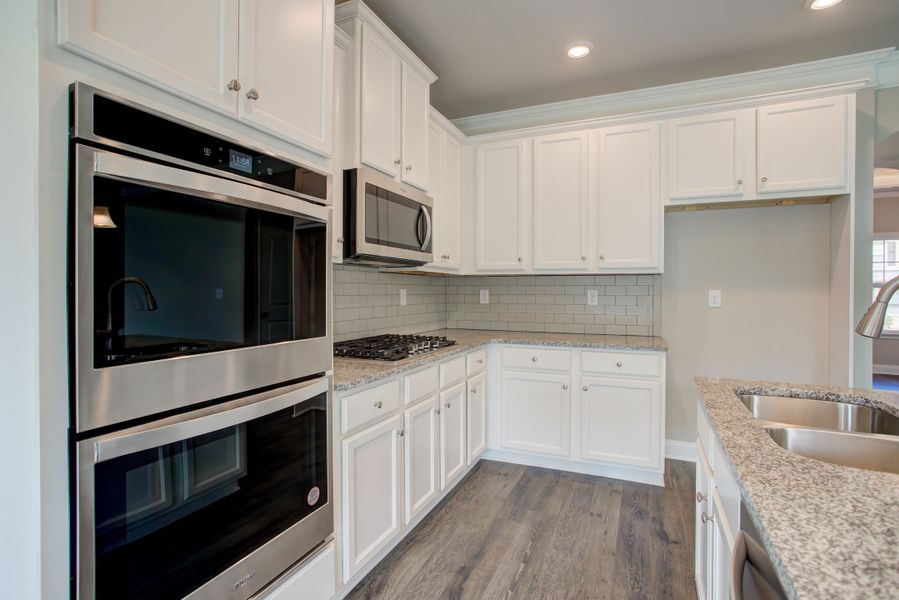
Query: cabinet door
x: 379, y: 103
x: 703, y: 530
x: 435, y: 177
x: 708, y: 155
x: 536, y: 412
x: 621, y: 421
x: 452, y: 433
x: 561, y: 201
x: 414, y: 125
x: 722, y: 549
x: 450, y: 224
x: 629, y: 197
x: 802, y: 145
x: 372, y: 483
x: 187, y: 48
x: 286, y: 69
x: 501, y: 197
x: 421, y: 456
x: 343, y: 85
x: 476, y: 412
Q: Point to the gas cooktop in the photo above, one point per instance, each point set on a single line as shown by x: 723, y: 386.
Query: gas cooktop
x: 391, y: 346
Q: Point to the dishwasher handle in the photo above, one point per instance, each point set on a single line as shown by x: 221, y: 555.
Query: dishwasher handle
x: 753, y: 576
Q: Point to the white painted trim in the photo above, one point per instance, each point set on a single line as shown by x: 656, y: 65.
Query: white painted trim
x: 886, y: 181
x: 886, y: 369
x: 575, y: 466
x: 862, y: 69
x: 447, y: 125
x: 342, y: 38
x: 358, y: 9
x: 678, y: 450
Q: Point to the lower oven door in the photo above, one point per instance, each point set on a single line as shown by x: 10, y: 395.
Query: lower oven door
x: 211, y: 504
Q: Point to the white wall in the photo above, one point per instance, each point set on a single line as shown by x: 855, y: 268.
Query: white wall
x: 886, y: 220
x: 19, y: 442
x: 773, y: 267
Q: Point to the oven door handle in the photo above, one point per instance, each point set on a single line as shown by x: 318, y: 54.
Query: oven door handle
x: 181, y: 427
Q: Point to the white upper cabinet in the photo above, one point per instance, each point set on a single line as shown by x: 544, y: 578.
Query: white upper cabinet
x: 379, y: 98
x: 342, y: 118
x: 501, y: 198
x: 450, y: 225
x: 436, y: 145
x: 710, y: 156
x: 561, y: 201
x: 415, y: 123
x: 802, y: 146
x: 268, y: 64
x: 629, y: 207
x: 285, y: 68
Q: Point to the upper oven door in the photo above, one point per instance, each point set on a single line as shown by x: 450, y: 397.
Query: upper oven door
x: 189, y: 288
x: 392, y: 221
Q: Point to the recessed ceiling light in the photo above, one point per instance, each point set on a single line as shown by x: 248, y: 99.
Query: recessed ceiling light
x: 820, y: 4
x: 579, y: 49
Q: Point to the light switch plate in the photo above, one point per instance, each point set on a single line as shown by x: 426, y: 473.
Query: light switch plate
x: 592, y: 297
x: 402, y: 296
x: 714, y: 298
x: 485, y: 296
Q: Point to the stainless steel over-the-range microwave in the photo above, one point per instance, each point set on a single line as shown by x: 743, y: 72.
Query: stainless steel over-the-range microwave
x: 385, y: 223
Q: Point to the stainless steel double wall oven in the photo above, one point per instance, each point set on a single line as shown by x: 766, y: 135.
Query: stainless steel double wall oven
x: 199, y: 301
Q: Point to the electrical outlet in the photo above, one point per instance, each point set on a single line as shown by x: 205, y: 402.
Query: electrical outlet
x: 714, y: 298
x: 402, y: 296
x: 485, y: 296
x: 592, y: 297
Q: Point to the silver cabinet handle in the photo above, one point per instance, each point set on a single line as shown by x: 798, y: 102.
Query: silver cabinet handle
x: 764, y: 179
x: 378, y: 404
x: 253, y: 94
x: 409, y: 168
x: 397, y: 162
x: 706, y: 518
x: 564, y: 386
x: 739, y: 182
x: 700, y: 496
x: 533, y: 359
x: 618, y: 364
x: 234, y: 85
x: 585, y: 388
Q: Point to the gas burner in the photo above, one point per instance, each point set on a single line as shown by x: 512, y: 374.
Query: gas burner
x: 391, y: 347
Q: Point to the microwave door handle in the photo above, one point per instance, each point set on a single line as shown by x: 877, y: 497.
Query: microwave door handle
x: 421, y: 210
x: 427, y: 215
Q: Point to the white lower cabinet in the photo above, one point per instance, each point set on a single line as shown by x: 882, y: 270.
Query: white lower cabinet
x: 536, y: 412
x: 452, y: 433
x: 703, y: 526
x: 722, y: 548
x: 621, y: 421
x: 372, y: 486
x: 422, y: 451
x: 476, y: 414
x: 313, y: 580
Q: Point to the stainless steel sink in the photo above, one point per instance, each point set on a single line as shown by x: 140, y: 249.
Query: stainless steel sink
x: 837, y: 416
x: 862, y: 451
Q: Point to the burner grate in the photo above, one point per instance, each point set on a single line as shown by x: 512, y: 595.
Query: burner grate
x: 391, y: 347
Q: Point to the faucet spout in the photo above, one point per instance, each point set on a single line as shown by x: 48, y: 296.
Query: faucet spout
x: 150, y: 299
x: 871, y: 324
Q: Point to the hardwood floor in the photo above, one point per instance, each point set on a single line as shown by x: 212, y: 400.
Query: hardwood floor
x: 509, y: 531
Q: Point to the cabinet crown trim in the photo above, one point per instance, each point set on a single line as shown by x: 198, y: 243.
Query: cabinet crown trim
x: 357, y: 9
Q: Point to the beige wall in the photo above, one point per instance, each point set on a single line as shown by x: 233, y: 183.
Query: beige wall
x: 773, y: 267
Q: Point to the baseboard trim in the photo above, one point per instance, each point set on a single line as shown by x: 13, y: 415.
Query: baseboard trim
x: 677, y: 450
x: 563, y: 464
x: 886, y: 369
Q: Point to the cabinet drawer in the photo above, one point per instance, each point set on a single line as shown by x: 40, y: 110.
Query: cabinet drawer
x: 475, y: 362
x: 421, y: 385
x: 452, y: 372
x: 537, y: 359
x: 370, y: 405
x: 622, y: 363
x: 314, y: 580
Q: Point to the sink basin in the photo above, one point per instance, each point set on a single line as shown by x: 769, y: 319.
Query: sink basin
x: 838, y: 416
x: 862, y: 451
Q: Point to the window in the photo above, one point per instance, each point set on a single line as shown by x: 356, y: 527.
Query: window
x: 885, y: 261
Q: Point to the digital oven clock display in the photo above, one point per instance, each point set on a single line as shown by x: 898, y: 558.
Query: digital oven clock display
x: 240, y: 161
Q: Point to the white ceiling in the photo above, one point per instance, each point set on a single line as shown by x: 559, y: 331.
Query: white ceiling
x: 498, y: 54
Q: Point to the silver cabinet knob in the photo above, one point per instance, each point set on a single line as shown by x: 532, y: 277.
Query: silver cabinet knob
x: 474, y: 391
x: 706, y: 518
x: 480, y: 361
x: 409, y: 168
x: 533, y: 359
x: 437, y: 411
x: 378, y: 404
x: 602, y: 257
x: 397, y: 162
x: 447, y: 257
x: 520, y: 259
x: 739, y: 182
x: 340, y: 240
x: 234, y: 85
x: 700, y: 496
x: 583, y: 258
x: 764, y: 179
x: 564, y: 386
x: 585, y: 388
x: 253, y: 94
x: 400, y: 433
x: 448, y: 405
x: 618, y: 364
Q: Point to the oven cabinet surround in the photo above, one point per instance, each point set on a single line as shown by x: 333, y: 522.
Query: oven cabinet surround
x: 403, y: 444
x: 265, y: 63
x: 717, y: 515
x: 390, y: 98
x: 600, y: 412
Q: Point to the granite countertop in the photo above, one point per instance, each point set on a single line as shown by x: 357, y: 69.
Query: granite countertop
x: 350, y: 373
x: 831, y: 531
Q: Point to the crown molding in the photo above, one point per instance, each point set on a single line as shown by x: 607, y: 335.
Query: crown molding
x: 342, y: 38
x: 447, y: 125
x: 871, y: 68
x: 356, y: 9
